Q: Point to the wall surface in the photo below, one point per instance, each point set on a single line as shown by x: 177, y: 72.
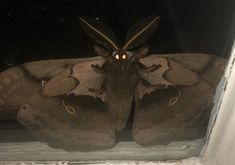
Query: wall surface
x: 220, y: 149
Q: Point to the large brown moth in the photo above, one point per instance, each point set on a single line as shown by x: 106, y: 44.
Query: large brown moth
x: 80, y: 104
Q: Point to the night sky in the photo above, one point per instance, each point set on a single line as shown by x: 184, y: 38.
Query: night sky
x: 42, y: 29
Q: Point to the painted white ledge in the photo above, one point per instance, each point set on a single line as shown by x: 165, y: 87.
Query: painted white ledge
x: 191, y: 161
x: 37, y: 151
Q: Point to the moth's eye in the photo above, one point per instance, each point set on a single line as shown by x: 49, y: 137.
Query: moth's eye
x: 117, y: 57
x: 124, y: 56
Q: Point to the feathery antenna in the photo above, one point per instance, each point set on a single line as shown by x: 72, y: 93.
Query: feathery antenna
x: 140, y: 32
x: 99, y: 32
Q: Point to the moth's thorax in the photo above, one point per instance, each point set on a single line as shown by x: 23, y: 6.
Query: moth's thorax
x: 122, y: 74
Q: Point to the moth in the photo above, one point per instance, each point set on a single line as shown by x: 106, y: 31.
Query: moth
x: 81, y: 104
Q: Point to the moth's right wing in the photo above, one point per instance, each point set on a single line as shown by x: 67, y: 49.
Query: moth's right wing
x: 158, y: 120
x: 19, y: 83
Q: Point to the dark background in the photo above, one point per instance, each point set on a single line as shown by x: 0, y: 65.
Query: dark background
x: 46, y: 29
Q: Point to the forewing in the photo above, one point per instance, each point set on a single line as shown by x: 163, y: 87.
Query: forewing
x: 77, y: 79
x: 170, y: 73
x: 19, y: 83
x: 88, y: 78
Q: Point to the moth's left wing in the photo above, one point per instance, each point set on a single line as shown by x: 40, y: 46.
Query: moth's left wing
x: 52, y: 99
x: 191, y: 78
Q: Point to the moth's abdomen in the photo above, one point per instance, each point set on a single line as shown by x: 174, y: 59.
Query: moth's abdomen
x: 119, y: 104
x: 121, y: 86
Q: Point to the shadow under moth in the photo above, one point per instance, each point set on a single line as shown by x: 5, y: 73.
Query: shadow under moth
x: 81, y: 104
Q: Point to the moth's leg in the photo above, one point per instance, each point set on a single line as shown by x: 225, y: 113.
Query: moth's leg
x: 101, y: 90
x: 97, y: 68
x: 147, y: 69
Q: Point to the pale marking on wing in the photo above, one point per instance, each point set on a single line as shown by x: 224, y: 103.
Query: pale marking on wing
x: 69, y: 109
x: 43, y: 83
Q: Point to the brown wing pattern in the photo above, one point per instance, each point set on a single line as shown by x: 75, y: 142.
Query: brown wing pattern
x: 157, y: 122
x: 65, y: 114
x: 18, y: 84
x: 61, y: 111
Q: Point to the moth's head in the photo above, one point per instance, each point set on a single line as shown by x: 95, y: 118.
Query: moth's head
x: 129, y: 51
x: 121, y: 56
